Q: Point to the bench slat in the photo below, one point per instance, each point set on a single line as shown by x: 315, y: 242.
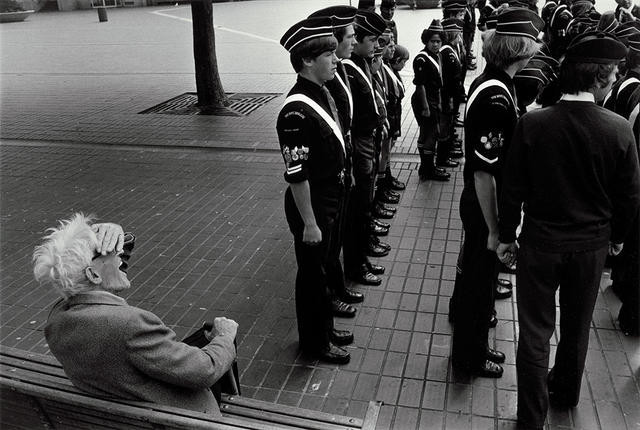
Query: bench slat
x: 155, y: 416
x: 287, y: 420
x: 42, y: 377
x: 239, y: 401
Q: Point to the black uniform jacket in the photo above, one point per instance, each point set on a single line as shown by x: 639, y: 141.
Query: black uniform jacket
x: 365, y: 116
x: 451, y: 74
x: 618, y: 101
x: 310, y: 149
x: 490, y: 119
x: 574, y: 165
x: 426, y: 72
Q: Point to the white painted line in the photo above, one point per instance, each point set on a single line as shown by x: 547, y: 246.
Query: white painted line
x: 218, y: 27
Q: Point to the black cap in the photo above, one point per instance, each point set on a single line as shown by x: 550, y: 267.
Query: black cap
x: 626, y: 30
x: 308, y: 29
x: 454, y: 5
x: 519, y: 22
x: 370, y: 23
x: 595, y: 47
x: 341, y: 16
x: 634, y: 43
x: 560, y: 18
x: 608, y: 22
x: 366, y: 4
x: 388, y: 4
x: 452, y: 24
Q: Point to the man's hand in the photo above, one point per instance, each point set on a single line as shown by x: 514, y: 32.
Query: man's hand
x: 615, y: 248
x: 425, y: 113
x: 492, y: 241
x: 110, y: 237
x: 224, y: 327
x: 507, y: 253
x: 311, y: 235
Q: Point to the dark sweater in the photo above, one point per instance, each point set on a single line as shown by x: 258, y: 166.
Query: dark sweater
x: 574, y: 165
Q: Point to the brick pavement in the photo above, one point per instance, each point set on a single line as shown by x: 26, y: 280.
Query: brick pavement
x: 204, y: 196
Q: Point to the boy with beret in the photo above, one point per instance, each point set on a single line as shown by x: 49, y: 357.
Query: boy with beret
x: 314, y: 151
x: 366, y: 119
x: 574, y: 166
x: 491, y: 115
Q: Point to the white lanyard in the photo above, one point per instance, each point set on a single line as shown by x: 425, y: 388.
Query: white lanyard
x: 487, y: 84
x: 364, y: 76
x: 435, y: 63
x: 397, y: 83
x: 348, y: 91
x: 321, y: 112
x: 452, y: 50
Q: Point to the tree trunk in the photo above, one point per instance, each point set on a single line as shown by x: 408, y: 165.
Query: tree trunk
x: 210, y: 91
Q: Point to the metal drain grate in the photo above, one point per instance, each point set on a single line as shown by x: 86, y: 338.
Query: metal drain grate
x: 241, y: 104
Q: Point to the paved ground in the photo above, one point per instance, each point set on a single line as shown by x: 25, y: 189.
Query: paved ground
x: 204, y: 197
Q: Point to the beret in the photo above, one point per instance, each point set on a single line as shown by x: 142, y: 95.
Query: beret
x: 519, y: 22
x: 452, y: 24
x: 308, y: 29
x: 341, y: 16
x: 370, y: 23
x: 595, y: 47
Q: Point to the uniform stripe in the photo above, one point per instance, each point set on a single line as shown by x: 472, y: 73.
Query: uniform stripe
x: 482, y: 157
x: 364, y: 76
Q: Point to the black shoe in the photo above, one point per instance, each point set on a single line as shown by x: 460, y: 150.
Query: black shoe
x: 377, y: 230
x: 503, y: 289
x: 385, y: 196
x: 488, y: 370
x: 438, y: 175
x: 447, y: 163
x: 376, y: 269
x: 382, y: 224
x: 377, y: 242
x: 495, y: 356
x: 341, y: 337
x: 378, y: 212
x: 351, y: 296
x: 395, y: 184
x: 493, y: 321
x: 365, y: 277
x: 458, y: 123
x: 386, y: 207
x: 342, y: 309
x: 333, y: 354
x: 456, y: 153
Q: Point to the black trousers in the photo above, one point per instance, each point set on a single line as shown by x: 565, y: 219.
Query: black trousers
x: 333, y: 267
x: 626, y: 279
x: 359, y: 217
x: 313, y: 300
x: 474, y: 291
x: 538, y: 276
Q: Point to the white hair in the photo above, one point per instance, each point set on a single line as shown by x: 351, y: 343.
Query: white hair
x: 67, y: 250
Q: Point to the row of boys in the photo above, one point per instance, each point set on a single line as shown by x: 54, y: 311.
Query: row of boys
x: 336, y: 130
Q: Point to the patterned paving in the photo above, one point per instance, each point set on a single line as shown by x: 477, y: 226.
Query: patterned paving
x: 204, y: 197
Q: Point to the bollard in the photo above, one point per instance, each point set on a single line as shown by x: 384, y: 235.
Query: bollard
x: 102, y: 14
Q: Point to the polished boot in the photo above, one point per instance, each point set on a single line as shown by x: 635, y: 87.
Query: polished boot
x: 330, y: 354
x: 351, y: 296
x: 495, y: 356
x: 342, y: 309
x: 377, y: 230
x: 376, y: 269
x: 434, y: 173
x: 364, y: 276
x: 384, y: 195
x: 377, y: 242
x: 379, y: 212
x: 504, y: 289
x: 392, y: 182
x: 447, y: 162
x: 382, y: 223
x: 341, y: 337
x: 386, y: 207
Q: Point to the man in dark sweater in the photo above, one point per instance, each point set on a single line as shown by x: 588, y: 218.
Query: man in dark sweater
x: 574, y: 166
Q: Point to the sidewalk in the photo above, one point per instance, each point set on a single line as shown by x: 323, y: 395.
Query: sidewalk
x: 204, y: 196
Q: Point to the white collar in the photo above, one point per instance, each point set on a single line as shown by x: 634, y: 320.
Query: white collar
x: 582, y: 96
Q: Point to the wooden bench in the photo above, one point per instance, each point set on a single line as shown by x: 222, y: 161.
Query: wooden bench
x: 36, y: 393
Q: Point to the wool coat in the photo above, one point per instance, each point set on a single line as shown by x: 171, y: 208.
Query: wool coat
x: 111, y: 349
